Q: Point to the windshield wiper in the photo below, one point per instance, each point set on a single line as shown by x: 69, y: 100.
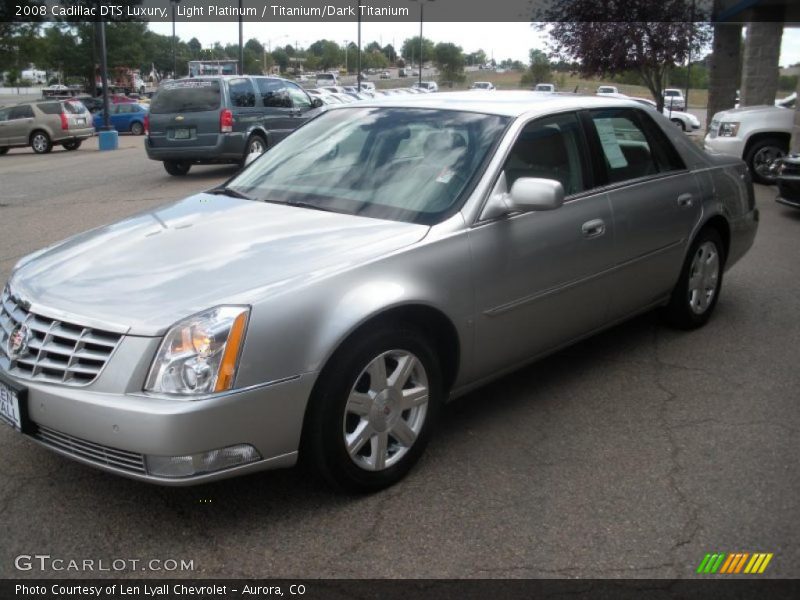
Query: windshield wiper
x: 301, y: 204
x: 228, y: 191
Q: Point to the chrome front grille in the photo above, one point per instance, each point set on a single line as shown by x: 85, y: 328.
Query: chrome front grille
x: 95, y: 453
x: 55, y: 351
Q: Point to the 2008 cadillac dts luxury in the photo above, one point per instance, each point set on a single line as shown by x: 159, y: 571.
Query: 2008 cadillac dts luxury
x: 384, y: 257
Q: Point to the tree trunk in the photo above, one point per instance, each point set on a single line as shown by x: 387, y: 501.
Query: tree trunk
x: 762, y: 51
x: 723, y: 78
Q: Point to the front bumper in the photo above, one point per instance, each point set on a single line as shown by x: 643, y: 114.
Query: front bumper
x: 730, y: 146
x: 117, y: 432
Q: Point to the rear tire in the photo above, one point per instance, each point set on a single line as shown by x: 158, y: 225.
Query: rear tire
x: 363, y: 431
x: 73, y: 145
x: 256, y: 144
x: 178, y: 168
x: 761, y: 155
x: 40, y: 142
x: 695, y: 296
x: 137, y: 128
x: 680, y: 124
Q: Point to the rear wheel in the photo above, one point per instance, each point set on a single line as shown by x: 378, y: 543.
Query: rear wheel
x: 40, y: 142
x: 255, y: 145
x: 177, y: 168
x: 695, y: 296
x: 761, y: 157
x: 72, y: 145
x: 679, y: 124
x: 137, y: 128
x: 372, y: 410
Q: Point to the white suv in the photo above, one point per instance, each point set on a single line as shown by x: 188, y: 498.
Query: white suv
x: 673, y: 98
x: 757, y: 134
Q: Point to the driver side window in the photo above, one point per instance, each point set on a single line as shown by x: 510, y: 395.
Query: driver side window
x: 549, y: 148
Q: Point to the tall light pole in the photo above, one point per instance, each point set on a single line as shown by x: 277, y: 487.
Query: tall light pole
x: 358, y: 58
x: 347, y: 70
x: 174, y: 3
x: 241, y: 40
x: 421, y: 12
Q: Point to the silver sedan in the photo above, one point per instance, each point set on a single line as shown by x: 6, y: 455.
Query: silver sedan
x: 386, y: 257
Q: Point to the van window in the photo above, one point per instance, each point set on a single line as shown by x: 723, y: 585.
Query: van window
x: 273, y: 92
x: 242, y: 93
x: 186, y: 95
x: 299, y: 98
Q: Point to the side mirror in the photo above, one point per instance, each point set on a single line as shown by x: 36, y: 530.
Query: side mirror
x: 531, y: 193
x: 316, y: 103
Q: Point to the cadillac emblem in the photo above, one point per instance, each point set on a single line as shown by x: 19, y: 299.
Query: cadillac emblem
x: 18, y: 341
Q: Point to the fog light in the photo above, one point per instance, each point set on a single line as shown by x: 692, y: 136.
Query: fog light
x: 204, y: 462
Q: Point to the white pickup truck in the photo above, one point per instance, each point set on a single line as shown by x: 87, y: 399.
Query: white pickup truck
x: 757, y: 134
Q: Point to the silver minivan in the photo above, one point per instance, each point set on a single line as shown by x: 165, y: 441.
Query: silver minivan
x: 203, y: 120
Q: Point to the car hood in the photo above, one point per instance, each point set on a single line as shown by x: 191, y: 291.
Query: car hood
x: 143, y: 274
x: 765, y: 112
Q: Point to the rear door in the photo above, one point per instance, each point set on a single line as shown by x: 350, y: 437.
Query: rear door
x: 20, y: 124
x: 277, y: 115
x: 656, y: 202
x: 246, y: 112
x: 186, y: 113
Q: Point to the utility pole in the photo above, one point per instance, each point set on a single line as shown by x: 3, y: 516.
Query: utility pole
x: 421, y: 6
x: 241, y: 40
x: 358, y: 58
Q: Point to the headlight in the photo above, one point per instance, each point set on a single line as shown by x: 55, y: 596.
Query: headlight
x: 200, y: 354
x: 728, y: 129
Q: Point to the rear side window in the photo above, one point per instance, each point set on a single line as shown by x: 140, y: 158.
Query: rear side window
x: 74, y: 107
x: 21, y: 112
x: 242, y: 93
x: 273, y: 93
x: 632, y: 144
x: 186, y: 95
x: 50, y: 108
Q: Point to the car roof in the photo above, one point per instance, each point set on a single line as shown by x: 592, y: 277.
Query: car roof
x: 506, y: 103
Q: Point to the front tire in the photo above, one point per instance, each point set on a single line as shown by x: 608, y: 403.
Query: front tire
x: 679, y: 124
x: 372, y: 410
x: 137, y: 128
x: 41, y: 143
x: 178, y: 168
x: 695, y: 296
x: 72, y: 145
x: 761, y: 156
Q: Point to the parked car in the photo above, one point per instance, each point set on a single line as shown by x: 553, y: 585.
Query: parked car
x: 383, y: 259
x: 788, y: 180
x: 43, y: 124
x: 222, y: 119
x: 685, y: 121
x: 482, y: 85
x: 757, y: 134
x: 384, y: 75
x: 367, y: 86
x: 544, y: 87
x: 426, y: 86
x: 124, y: 118
x: 327, y: 79
x: 673, y: 98
x: 607, y: 89
x: 92, y: 104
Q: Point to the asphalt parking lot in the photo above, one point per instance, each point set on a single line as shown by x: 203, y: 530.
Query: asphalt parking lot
x: 632, y: 454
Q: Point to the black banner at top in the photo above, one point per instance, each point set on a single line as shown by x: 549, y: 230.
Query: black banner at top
x: 323, y: 11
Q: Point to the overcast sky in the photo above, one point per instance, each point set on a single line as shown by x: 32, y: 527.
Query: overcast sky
x: 503, y: 40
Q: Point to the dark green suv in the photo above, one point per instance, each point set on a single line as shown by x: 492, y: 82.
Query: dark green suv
x: 205, y: 120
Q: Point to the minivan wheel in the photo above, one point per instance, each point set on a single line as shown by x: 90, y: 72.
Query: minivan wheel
x: 137, y: 128
x: 40, y: 142
x: 255, y: 145
x: 178, y: 168
x: 72, y: 145
x: 695, y: 296
x: 372, y: 410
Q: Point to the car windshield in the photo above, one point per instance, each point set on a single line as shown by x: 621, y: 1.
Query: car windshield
x: 186, y: 95
x: 403, y: 164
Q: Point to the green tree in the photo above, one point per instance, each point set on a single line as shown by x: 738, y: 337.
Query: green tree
x: 411, y: 49
x: 539, y: 67
x: 390, y: 53
x: 450, y: 62
x: 195, y: 48
x: 328, y: 53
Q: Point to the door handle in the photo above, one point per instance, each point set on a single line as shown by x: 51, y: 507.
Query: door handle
x: 685, y: 200
x: 593, y: 228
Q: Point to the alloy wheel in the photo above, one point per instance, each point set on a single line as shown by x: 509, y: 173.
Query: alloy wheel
x: 703, y: 277
x: 764, y: 159
x: 386, y: 410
